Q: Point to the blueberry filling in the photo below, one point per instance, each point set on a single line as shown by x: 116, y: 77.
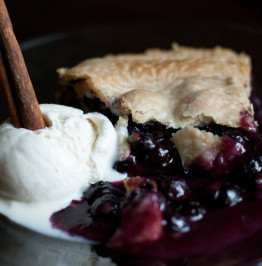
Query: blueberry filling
x: 95, y: 105
x: 161, y: 200
x: 69, y: 97
x: 152, y: 150
x: 165, y: 211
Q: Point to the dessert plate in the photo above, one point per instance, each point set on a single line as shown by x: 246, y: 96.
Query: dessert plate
x: 45, y: 54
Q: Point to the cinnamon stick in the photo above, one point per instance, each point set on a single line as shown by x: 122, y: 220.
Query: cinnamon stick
x: 4, y: 84
x: 21, y: 98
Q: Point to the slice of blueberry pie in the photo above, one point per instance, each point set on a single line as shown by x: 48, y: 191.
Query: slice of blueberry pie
x: 190, y: 145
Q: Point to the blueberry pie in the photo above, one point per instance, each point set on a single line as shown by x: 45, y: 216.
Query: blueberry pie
x: 189, y: 143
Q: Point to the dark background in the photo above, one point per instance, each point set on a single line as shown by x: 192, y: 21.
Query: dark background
x: 106, y: 26
x: 32, y: 18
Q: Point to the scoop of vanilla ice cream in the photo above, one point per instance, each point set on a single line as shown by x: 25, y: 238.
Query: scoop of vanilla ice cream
x: 74, y: 150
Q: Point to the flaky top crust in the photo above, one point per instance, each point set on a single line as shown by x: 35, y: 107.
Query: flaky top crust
x: 192, y: 142
x: 180, y: 87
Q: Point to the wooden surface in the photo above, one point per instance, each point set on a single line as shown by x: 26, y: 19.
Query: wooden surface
x: 33, y: 18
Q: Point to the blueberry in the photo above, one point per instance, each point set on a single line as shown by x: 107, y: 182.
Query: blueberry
x: 253, y: 162
x: 130, y: 166
x: 223, y: 195
x: 151, y: 144
x: 95, y: 105
x: 258, y: 183
x: 107, y: 206
x: 185, y: 215
x: 175, y: 189
x: 193, y: 211
x: 179, y: 224
x: 102, y: 188
x: 235, y: 134
x: 253, y: 167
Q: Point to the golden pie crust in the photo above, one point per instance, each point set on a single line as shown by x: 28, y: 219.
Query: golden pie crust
x: 192, y: 142
x: 181, y: 88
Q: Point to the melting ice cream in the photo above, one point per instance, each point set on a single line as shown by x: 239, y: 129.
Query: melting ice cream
x: 42, y: 171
